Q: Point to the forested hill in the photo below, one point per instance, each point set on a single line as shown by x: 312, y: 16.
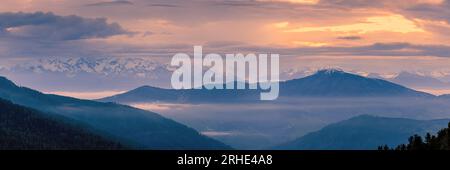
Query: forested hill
x: 441, y: 141
x: 24, y: 128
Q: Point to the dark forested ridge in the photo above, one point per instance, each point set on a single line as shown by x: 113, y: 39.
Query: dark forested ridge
x: 364, y: 132
x: 25, y: 128
x: 132, y: 126
x: 441, y: 141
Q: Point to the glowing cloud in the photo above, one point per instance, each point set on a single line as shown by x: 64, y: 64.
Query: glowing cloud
x: 430, y: 1
x: 389, y: 23
x: 281, y: 24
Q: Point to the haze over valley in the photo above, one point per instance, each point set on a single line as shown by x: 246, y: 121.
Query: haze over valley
x: 352, y: 74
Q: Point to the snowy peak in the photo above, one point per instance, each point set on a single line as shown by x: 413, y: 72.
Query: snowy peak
x: 339, y: 83
x: 139, y: 67
x: 332, y: 71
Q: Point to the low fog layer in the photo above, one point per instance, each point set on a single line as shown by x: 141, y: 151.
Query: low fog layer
x: 264, y: 124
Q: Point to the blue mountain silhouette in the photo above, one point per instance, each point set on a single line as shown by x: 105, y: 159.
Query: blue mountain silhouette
x: 133, y: 126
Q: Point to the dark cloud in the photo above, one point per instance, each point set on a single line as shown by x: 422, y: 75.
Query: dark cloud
x: 196, y: 12
x: 147, y: 33
x: 220, y: 44
x: 238, y: 3
x: 413, y: 9
x: 110, y: 3
x: 46, y: 34
x: 41, y: 48
x: 49, y: 26
x: 394, y: 49
x: 354, y: 3
x: 430, y: 11
x: 350, y: 38
x: 164, y: 5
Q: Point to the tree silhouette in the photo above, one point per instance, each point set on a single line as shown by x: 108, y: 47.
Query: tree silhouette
x: 431, y: 142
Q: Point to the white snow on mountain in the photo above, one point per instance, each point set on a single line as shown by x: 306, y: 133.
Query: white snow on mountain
x: 137, y: 67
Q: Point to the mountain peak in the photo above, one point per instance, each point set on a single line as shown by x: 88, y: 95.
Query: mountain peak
x: 408, y: 74
x: 335, y: 75
x: 334, y: 82
x: 330, y: 71
x: 147, y: 88
x: 419, y: 81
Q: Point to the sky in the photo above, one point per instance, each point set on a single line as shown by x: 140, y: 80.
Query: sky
x: 100, y: 47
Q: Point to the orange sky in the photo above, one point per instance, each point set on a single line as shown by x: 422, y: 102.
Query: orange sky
x: 289, y: 23
x: 382, y: 36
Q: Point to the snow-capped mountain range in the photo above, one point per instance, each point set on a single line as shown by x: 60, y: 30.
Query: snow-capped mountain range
x: 124, y: 73
x: 88, y: 73
x: 139, y: 67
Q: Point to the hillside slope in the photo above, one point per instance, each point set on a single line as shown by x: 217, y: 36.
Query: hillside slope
x: 364, y: 132
x: 143, y: 129
x: 25, y: 128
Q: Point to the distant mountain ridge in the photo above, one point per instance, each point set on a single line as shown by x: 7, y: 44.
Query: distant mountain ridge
x: 104, y: 66
x: 419, y: 81
x: 331, y: 82
x: 364, y: 132
x: 141, y: 128
x: 87, y: 73
x: 324, y: 83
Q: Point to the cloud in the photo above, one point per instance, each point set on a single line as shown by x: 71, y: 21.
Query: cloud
x: 350, y: 38
x: 378, y: 3
x: 238, y: 3
x: 354, y: 3
x: 310, y: 2
x: 220, y: 44
x: 39, y: 34
x: 164, y: 5
x: 376, y: 49
x: 402, y: 49
x: 430, y: 11
x: 423, y: 9
x: 388, y: 23
x: 49, y: 26
x: 110, y: 3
